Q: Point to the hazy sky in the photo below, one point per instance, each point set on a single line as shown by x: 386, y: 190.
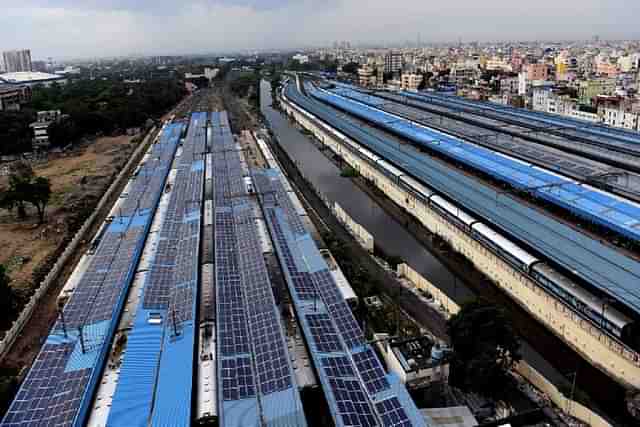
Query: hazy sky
x: 75, y: 28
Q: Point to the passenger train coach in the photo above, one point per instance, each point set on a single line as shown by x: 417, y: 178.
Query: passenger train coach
x: 580, y: 299
x: 588, y: 305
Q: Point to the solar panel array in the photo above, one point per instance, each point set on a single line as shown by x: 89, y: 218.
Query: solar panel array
x: 371, y: 371
x: 351, y: 375
x: 59, y: 386
x: 253, y: 360
x: 169, y: 293
x: 392, y: 413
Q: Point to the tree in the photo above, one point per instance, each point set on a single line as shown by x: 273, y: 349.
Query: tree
x: 38, y: 194
x: 331, y: 66
x: 21, y: 176
x: 426, y: 77
x: 26, y: 187
x: 63, y: 132
x: 350, y: 68
x: 485, y: 347
x: 15, y: 133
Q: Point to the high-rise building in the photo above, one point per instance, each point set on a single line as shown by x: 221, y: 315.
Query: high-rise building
x: 17, y: 61
x: 392, y: 62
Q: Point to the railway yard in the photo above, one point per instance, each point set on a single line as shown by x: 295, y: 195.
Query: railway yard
x: 181, y: 263
x: 530, y: 185
x: 206, y: 293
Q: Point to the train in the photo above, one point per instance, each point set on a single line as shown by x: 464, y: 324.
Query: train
x: 589, y: 306
x: 598, y: 310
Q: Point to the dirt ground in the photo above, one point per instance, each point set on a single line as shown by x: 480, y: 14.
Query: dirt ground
x: 76, y: 178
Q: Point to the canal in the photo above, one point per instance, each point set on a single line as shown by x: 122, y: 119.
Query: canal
x: 394, y: 239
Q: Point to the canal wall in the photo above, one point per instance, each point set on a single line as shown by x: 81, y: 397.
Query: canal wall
x: 598, y: 348
x: 449, y: 306
x: 530, y: 374
x: 356, y: 230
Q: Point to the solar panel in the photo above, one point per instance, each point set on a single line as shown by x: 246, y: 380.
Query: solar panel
x: 392, y: 413
x: 304, y: 286
x: 352, y: 403
x: 324, y: 334
x: 337, y: 367
x: 272, y: 368
x: 347, y: 325
x: 327, y: 287
x: 371, y: 371
x: 237, y: 380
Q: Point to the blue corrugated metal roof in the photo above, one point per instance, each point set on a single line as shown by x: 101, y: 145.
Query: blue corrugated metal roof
x: 171, y: 408
x: 602, y: 208
x: 155, y: 379
x: 607, y: 135
x: 133, y: 397
x: 597, y: 263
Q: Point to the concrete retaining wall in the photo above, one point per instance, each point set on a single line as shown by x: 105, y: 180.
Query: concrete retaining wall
x: 449, y: 306
x: 80, y: 236
x: 570, y: 407
x: 356, y: 230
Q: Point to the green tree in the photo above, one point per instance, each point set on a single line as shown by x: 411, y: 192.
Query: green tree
x: 63, y: 133
x: 38, y: 193
x: 485, y: 347
x: 15, y: 133
x: 350, y: 68
x: 26, y: 187
x: 19, y: 179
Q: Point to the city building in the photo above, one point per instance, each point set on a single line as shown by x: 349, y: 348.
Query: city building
x: 537, y: 72
x: 41, y: 127
x: 302, y: 59
x: 607, y: 69
x: 411, y: 81
x: 68, y: 70
x: 462, y: 75
x: 498, y: 64
x: 392, y: 62
x: 417, y: 361
x: 211, y: 73
x: 12, y: 97
x: 367, y: 76
x: 618, y: 112
x: 589, y: 89
x: 34, y: 78
x: 41, y: 66
x: 17, y: 60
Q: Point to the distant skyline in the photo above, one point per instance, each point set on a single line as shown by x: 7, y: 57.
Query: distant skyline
x: 98, y: 28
